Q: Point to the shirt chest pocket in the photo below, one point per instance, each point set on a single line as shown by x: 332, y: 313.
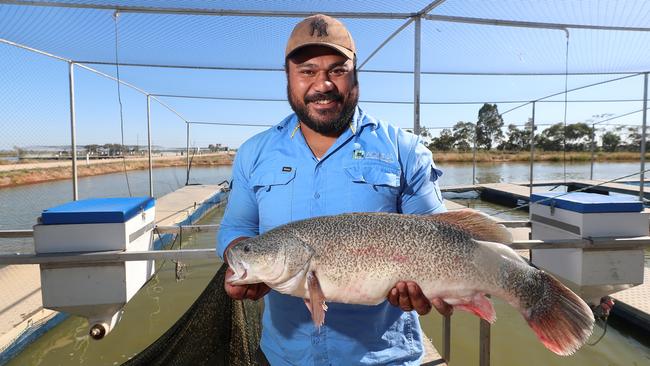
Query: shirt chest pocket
x: 373, y: 187
x: 273, y: 190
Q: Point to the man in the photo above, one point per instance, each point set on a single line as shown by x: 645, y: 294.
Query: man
x: 330, y: 158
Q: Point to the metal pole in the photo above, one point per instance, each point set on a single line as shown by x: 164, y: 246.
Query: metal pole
x: 187, y: 152
x: 446, y: 338
x: 416, y: 77
x: 593, y: 151
x: 643, y: 135
x: 474, y: 158
x: 73, y: 133
x: 149, y: 145
x: 484, y: 343
x: 532, y: 150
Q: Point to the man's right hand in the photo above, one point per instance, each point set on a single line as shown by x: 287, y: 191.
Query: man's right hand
x: 253, y: 291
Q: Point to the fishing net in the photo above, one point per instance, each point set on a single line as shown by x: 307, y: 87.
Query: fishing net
x: 215, y: 330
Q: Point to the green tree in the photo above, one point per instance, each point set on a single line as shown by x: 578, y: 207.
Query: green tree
x: 552, y: 138
x: 444, y: 142
x: 517, y: 139
x: 488, y: 126
x: 92, y: 149
x: 578, y: 136
x: 464, y: 135
x: 611, y: 141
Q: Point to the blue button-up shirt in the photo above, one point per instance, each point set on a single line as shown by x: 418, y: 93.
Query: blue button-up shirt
x: 373, y: 166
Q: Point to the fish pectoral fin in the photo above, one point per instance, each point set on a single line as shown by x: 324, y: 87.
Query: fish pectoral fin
x: 316, y: 303
x: 480, y: 306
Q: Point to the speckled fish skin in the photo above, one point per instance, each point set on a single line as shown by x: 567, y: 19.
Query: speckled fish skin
x: 359, y: 257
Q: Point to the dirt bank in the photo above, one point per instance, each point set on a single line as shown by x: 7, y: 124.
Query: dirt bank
x: 22, y: 176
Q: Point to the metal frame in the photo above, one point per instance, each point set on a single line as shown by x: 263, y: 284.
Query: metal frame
x: 73, y: 127
x: 73, y: 132
x: 643, y: 136
x: 417, y: 72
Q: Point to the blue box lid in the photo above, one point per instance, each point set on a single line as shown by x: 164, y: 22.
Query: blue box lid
x: 96, y: 211
x: 583, y: 202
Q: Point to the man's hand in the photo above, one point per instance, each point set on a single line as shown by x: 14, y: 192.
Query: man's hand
x: 408, y: 296
x: 239, y: 292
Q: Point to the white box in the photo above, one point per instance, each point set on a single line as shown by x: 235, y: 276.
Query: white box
x: 95, y: 290
x: 591, y: 272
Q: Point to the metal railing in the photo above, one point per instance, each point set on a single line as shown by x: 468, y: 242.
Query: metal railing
x: 185, y: 254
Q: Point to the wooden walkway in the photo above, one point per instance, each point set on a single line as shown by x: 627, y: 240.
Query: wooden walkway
x: 21, y: 307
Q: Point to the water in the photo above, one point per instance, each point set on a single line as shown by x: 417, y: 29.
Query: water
x: 157, y: 306
x: 20, y: 206
x: 461, y: 173
x: 154, y: 309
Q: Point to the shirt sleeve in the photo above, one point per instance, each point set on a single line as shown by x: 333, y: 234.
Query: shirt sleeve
x: 421, y: 194
x: 241, y: 216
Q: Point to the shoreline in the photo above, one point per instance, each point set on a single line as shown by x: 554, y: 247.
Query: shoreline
x: 19, y: 176
x: 14, y: 175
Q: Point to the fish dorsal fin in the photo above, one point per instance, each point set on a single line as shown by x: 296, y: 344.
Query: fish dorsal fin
x: 477, y: 224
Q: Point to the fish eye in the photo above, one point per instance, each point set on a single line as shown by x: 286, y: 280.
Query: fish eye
x: 247, y: 248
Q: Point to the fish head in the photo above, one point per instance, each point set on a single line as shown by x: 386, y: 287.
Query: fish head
x: 268, y: 258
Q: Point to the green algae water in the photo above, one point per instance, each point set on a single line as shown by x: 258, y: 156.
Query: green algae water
x: 154, y: 309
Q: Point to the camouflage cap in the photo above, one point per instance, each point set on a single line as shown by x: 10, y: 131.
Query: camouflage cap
x: 321, y: 30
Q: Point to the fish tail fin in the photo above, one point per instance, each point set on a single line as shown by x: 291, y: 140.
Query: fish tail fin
x: 479, y: 225
x: 561, y: 319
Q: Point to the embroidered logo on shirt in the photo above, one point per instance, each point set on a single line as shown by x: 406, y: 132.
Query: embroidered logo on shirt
x: 286, y: 169
x: 379, y: 156
x: 360, y: 154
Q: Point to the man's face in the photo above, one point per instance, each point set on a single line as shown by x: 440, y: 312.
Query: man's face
x: 322, y: 89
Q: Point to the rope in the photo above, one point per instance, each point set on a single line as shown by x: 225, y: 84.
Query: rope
x: 119, y: 99
x: 566, y: 89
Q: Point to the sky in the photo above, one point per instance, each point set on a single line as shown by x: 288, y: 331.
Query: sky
x: 35, y: 109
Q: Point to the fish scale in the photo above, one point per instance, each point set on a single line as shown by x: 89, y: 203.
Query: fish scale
x: 357, y: 258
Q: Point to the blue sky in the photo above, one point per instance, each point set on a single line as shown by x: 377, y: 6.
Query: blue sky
x: 34, y: 108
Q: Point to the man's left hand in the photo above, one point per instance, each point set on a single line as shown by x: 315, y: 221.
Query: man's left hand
x: 408, y: 296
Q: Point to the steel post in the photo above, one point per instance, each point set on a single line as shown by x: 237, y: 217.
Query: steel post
x: 187, y: 152
x: 446, y: 338
x: 532, y: 150
x: 593, y: 151
x: 149, y: 145
x: 474, y: 158
x: 484, y: 343
x: 73, y: 132
x: 643, y: 135
x: 416, y: 76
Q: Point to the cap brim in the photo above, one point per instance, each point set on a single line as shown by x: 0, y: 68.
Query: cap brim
x: 342, y: 50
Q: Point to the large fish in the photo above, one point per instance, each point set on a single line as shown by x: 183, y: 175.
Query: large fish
x: 357, y: 258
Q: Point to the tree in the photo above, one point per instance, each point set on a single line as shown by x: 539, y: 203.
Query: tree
x: 517, y: 140
x: 578, y: 136
x: 444, y: 142
x: 552, y: 138
x: 464, y: 135
x: 488, y: 126
x: 610, y: 141
x: 92, y: 149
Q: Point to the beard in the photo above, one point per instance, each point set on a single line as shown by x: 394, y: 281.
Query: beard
x: 325, y: 122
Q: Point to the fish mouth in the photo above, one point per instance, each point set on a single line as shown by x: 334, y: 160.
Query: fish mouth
x: 240, y: 270
x: 237, y: 278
